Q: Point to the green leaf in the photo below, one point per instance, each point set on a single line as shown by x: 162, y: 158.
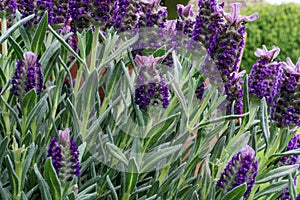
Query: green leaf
x: 117, y: 153
x: 238, y: 144
x: 27, y: 163
x: 277, y: 173
x: 155, y: 157
x: 292, y: 188
x: 81, y: 150
x: 131, y: 177
x: 8, y: 33
x: 3, y: 145
x: 112, y: 188
x: 236, y: 193
x: 264, y: 122
x: 28, y: 102
x: 39, y: 35
x: 52, y: 180
x: 218, y: 149
x: 44, y: 188
x: 14, y: 181
x: 23, y: 196
x: 288, y: 153
x: 272, y: 189
x: 17, y: 48
x: 3, y: 193
x: 67, y: 46
x: 85, y: 192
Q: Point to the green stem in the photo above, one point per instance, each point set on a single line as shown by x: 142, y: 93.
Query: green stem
x: 94, y: 49
x: 6, y: 113
x: 3, y: 30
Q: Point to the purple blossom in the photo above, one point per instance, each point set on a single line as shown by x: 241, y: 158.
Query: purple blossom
x: 152, y: 14
x: 241, y: 169
x: 209, y: 22
x: 151, y: 87
x: 234, y: 92
x: 28, y: 75
x: 286, y: 108
x: 64, y: 153
x: 266, y: 75
x: 293, y: 144
x: 8, y: 8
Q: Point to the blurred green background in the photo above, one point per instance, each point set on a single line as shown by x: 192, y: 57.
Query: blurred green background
x: 171, y: 5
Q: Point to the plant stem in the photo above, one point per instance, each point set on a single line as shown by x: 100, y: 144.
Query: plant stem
x: 3, y: 30
x: 94, y: 49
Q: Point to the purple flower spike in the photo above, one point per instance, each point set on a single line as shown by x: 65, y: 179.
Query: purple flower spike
x: 266, y: 76
x: 64, y: 153
x: 266, y: 55
x: 286, y: 108
x: 28, y: 75
x: 151, y: 87
x: 241, y: 169
x: 291, y: 68
x: 235, y: 18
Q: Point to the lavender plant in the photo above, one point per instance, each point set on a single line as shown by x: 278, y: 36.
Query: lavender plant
x: 141, y: 127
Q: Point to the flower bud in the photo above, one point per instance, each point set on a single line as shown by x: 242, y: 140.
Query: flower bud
x: 241, y: 169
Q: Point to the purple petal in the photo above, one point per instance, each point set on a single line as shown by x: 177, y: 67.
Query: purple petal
x: 30, y: 58
x: 64, y: 136
x: 291, y: 68
x: 235, y: 18
x: 185, y: 11
x: 267, y: 55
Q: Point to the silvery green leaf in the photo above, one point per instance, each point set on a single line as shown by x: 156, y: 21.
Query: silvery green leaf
x: 3, y: 145
x: 8, y: 33
x: 27, y: 162
x: 273, y: 188
x: 52, y: 180
x: 44, y: 187
x: 276, y: 173
x: 236, y: 193
x: 117, y: 153
x: 40, y: 35
x: 112, y: 188
x: 154, y: 158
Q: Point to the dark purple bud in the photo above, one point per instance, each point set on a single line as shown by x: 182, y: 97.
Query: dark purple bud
x: 241, y: 169
x: 266, y: 75
x: 64, y: 153
x: 28, y: 75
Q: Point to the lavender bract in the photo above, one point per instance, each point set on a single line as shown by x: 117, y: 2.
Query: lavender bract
x: 28, y: 75
x: 266, y: 75
x: 64, y: 153
x: 241, y: 169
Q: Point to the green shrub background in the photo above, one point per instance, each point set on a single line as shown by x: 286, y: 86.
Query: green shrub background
x: 277, y: 25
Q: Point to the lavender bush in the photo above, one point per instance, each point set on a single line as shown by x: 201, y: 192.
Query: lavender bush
x: 111, y: 100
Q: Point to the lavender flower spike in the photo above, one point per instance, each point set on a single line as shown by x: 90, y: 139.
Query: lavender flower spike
x: 64, y: 154
x: 151, y: 87
x: 235, y: 18
x: 241, y: 169
x: 266, y: 75
x: 28, y: 75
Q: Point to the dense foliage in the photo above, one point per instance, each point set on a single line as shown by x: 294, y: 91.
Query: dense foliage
x: 107, y: 99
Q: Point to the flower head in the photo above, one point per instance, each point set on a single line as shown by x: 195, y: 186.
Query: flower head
x: 241, y: 169
x: 64, y: 154
x: 28, y: 75
x: 151, y: 87
x: 235, y: 18
x: 266, y: 75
